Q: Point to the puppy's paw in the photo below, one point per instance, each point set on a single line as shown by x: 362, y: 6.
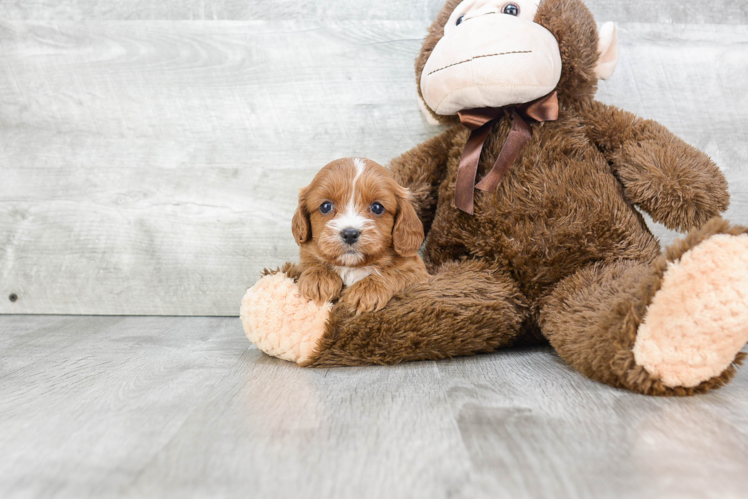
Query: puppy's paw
x: 320, y: 285
x: 367, y: 295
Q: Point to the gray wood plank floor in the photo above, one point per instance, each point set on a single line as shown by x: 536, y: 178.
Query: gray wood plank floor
x: 186, y: 407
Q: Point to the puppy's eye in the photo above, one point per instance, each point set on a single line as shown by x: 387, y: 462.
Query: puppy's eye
x: 460, y: 19
x: 377, y: 208
x: 511, y: 9
x: 326, y: 207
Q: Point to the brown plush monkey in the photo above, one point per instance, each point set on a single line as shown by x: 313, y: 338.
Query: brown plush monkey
x: 550, y: 246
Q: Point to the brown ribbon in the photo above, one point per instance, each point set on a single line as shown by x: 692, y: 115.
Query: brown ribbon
x: 479, y: 121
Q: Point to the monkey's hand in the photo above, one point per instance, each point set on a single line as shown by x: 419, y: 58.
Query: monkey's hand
x: 678, y: 185
x: 422, y: 170
x: 320, y: 284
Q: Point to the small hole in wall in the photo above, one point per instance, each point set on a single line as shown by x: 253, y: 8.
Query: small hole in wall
x: 13, y: 297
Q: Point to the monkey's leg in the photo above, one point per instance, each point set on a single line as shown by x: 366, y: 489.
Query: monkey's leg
x: 673, y: 327
x: 466, y: 308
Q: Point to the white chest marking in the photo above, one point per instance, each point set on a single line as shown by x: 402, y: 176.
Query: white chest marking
x: 351, y: 275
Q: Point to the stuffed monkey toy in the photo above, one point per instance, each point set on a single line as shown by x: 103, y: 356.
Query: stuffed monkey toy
x: 548, y: 245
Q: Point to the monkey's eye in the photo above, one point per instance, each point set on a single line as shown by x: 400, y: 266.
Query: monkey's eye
x: 511, y: 9
x: 377, y: 208
x: 326, y: 207
x: 460, y: 19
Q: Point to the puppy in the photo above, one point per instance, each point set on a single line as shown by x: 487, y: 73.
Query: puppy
x: 357, y: 229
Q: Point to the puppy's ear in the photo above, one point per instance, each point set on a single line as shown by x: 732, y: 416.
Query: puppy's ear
x: 301, y: 225
x: 407, y: 234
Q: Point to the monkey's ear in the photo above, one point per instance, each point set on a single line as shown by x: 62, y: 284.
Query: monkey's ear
x: 300, y: 224
x: 426, y: 113
x: 608, y: 49
x: 407, y: 234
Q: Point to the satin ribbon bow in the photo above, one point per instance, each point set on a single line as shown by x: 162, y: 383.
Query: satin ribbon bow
x: 479, y: 121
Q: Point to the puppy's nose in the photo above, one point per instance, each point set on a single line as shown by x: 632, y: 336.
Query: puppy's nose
x: 350, y: 235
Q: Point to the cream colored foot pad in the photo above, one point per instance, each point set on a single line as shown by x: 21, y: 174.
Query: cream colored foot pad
x: 280, y: 322
x: 698, y: 320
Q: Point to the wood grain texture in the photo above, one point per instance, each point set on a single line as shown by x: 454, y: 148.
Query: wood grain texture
x: 186, y: 407
x: 151, y: 167
x: 643, y: 11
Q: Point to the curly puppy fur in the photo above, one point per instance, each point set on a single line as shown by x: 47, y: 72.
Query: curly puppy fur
x: 382, y: 259
x: 559, y: 250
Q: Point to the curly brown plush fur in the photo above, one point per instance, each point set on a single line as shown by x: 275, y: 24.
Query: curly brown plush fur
x: 559, y: 250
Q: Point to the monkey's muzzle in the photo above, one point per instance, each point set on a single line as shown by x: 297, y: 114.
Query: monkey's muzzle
x: 489, y: 62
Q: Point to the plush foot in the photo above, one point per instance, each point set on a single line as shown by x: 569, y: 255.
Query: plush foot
x: 280, y: 322
x: 697, y: 322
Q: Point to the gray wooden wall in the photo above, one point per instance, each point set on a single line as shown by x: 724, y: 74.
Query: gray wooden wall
x: 151, y: 152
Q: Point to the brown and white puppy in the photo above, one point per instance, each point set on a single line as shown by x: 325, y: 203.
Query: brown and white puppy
x: 357, y: 229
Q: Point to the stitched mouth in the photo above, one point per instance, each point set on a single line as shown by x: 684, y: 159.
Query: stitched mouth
x: 478, y: 57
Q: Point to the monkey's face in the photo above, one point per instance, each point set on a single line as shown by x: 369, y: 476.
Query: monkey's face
x: 492, y: 54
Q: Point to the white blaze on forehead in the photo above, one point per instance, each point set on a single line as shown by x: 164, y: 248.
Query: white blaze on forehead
x: 360, y: 165
x: 350, y: 215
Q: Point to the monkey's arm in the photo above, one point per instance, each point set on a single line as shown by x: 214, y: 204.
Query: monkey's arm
x: 422, y: 169
x: 678, y: 185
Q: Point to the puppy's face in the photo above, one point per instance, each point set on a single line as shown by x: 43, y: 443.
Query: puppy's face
x: 353, y: 212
